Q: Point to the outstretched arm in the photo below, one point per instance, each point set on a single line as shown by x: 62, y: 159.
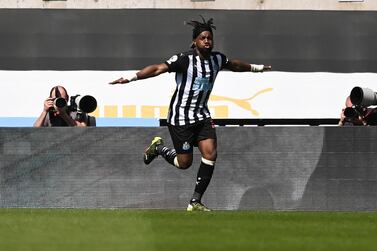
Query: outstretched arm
x: 146, y: 72
x: 240, y: 66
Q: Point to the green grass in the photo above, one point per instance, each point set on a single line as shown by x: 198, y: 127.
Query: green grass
x: 122, y: 229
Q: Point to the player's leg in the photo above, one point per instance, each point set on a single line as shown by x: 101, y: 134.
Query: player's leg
x: 207, y: 165
x: 181, y: 155
x: 151, y: 152
x: 208, y: 147
x: 179, y: 160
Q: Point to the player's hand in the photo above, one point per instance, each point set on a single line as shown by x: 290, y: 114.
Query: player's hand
x: 119, y: 81
x: 267, y: 68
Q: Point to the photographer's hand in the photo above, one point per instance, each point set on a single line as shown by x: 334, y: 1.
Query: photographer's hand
x: 49, y: 103
x: 342, y: 118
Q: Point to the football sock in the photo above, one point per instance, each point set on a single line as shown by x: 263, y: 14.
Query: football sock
x: 203, y: 179
x: 168, y: 154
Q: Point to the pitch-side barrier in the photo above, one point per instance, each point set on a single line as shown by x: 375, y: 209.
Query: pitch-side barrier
x: 268, y: 168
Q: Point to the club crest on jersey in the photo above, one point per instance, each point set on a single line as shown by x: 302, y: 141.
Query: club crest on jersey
x: 186, y: 146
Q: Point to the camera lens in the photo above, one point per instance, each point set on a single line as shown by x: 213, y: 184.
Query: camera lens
x: 60, y: 102
x: 86, y: 103
x: 350, y: 112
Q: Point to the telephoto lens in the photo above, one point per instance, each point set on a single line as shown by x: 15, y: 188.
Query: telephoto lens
x: 84, y: 103
x: 363, y: 96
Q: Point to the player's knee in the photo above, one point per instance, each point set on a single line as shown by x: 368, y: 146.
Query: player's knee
x: 185, y: 164
x: 208, y: 162
x: 182, y: 163
x: 212, y: 156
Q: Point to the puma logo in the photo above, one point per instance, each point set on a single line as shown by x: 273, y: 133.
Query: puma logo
x: 243, y: 103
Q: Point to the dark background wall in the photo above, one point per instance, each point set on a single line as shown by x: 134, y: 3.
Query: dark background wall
x: 118, y: 39
x: 276, y: 168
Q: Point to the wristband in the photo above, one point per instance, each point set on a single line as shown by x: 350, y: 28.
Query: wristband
x: 133, y: 78
x: 257, y: 67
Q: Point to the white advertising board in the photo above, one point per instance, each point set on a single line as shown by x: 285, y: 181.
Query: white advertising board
x: 235, y: 95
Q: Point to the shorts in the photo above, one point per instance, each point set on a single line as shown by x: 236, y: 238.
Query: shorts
x: 187, y: 136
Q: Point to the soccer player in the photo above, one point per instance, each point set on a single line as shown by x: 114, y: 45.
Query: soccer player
x: 189, y: 119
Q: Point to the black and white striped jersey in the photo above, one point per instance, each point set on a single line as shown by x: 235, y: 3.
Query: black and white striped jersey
x: 195, y: 78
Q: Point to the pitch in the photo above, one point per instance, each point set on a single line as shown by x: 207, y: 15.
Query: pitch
x: 125, y: 229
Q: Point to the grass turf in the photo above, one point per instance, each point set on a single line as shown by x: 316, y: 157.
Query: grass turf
x: 123, y: 229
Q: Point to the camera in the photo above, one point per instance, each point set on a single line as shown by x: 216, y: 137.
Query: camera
x: 363, y: 96
x: 85, y: 103
x: 353, y: 112
x: 60, y: 102
x: 361, y: 99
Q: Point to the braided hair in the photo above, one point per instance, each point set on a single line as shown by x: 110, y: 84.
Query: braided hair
x: 199, y: 27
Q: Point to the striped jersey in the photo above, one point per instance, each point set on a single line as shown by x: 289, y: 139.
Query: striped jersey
x: 194, y: 78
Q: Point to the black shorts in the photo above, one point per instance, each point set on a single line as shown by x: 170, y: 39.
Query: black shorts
x: 186, y: 137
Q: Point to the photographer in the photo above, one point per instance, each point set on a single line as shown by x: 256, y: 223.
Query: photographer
x: 57, y: 113
x: 357, y: 115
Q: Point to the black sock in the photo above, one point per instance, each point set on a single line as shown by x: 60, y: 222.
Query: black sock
x: 167, y: 153
x: 202, y: 181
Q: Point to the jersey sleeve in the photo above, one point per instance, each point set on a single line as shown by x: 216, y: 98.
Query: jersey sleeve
x: 177, y: 63
x: 224, y: 61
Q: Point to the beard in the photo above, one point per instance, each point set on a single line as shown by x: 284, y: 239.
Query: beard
x: 205, y: 50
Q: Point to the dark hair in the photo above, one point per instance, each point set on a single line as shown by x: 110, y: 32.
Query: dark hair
x: 199, y: 27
